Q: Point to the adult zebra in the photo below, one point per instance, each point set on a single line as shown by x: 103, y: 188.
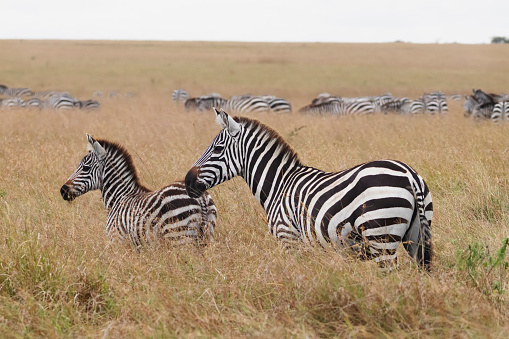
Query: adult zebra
x: 246, y: 104
x: 87, y: 105
x: 180, y: 95
x: 397, y: 105
x: 13, y: 102
x: 500, y: 112
x: 59, y: 102
x: 368, y: 209
x: 277, y: 105
x: 15, y: 92
x: 204, y: 102
x: 340, y: 106
x: 436, y: 102
x: 135, y: 212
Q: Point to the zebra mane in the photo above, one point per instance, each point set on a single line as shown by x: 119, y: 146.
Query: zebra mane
x: 255, y: 124
x: 117, y: 150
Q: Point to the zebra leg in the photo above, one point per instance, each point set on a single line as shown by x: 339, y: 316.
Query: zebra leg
x: 383, y: 238
x: 288, y: 235
x: 355, y: 245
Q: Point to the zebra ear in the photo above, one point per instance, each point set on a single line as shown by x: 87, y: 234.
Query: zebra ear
x: 90, y: 145
x: 226, y: 121
x: 94, y: 146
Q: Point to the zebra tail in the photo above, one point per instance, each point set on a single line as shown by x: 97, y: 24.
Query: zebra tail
x: 424, y: 248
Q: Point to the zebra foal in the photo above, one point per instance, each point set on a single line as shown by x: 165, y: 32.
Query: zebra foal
x: 135, y: 212
x: 367, y: 210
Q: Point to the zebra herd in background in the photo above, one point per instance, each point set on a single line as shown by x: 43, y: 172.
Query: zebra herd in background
x: 324, y: 103
x: 482, y: 105
x: 239, y: 103
x: 56, y: 100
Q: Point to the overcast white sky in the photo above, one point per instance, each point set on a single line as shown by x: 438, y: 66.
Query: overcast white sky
x: 261, y: 20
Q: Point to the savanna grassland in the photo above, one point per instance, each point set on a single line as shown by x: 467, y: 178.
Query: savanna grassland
x: 60, y: 276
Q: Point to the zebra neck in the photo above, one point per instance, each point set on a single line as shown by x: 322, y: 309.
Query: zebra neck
x: 266, y: 172
x: 119, y: 181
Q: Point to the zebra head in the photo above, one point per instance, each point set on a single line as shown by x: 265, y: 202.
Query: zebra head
x: 221, y: 161
x: 88, y: 174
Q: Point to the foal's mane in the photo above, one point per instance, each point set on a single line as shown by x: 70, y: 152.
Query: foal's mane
x: 113, y: 148
x: 254, y: 124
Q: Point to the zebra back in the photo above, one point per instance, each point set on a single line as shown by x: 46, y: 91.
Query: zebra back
x: 247, y: 104
x: 13, y: 102
x: 483, y: 98
x: 15, y: 92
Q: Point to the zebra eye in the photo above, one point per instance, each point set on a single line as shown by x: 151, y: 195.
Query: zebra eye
x: 86, y: 168
x: 218, y: 149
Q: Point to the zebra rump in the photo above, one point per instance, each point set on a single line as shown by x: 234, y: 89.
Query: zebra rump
x: 500, y: 112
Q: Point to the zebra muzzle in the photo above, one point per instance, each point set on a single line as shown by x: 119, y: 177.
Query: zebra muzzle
x: 67, y: 193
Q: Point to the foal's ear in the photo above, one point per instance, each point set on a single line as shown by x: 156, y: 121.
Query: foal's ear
x: 226, y: 121
x: 94, y: 146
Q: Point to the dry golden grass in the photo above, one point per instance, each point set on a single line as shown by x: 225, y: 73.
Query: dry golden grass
x: 61, y: 276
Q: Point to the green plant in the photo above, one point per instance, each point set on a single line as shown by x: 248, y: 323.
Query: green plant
x: 486, y: 272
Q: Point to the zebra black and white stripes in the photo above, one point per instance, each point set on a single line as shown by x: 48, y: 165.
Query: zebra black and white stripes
x: 204, y: 103
x: 246, y: 104
x: 135, y: 212
x: 239, y: 103
x: 486, y: 106
x: 180, y: 95
x: 15, y: 92
x: 368, y: 209
x: 500, y: 112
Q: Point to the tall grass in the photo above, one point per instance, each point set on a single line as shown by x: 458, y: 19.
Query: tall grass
x: 61, y: 276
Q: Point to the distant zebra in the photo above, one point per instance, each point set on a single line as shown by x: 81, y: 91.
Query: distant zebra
x: 381, y: 100
x: 135, y: 212
x: 483, y: 111
x: 34, y: 103
x: 180, y: 95
x: 277, y: 105
x: 327, y: 104
x: 395, y: 105
x: 339, y: 107
x: 469, y: 105
x: 87, y: 105
x: 15, y: 92
x: 435, y: 102
x: 500, y: 112
x: 60, y: 102
x: 246, y: 104
x: 368, y: 209
x: 204, y: 103
x: 323, y: 104
x: 50, y: 93
x: 13, y: 102
x: 483, y: 98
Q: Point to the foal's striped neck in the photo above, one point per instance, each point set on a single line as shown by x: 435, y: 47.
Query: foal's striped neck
x: 119, y: 176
